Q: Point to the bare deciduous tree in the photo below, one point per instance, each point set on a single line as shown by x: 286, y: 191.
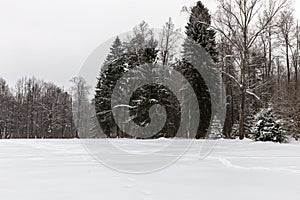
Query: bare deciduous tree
x: 167, y: 42
x: 240, y: 19
x: 285, y: 26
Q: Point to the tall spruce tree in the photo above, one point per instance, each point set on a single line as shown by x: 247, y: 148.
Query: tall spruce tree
x: 199, y: 30
x: 116, y: 51
x: 112, y: 70
x: 200, y: 33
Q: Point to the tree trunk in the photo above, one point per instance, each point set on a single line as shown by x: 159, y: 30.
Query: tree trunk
x: 242, y: 114
x: 228, y: 124
x: 287, y: 60
x: 270, y: 53
x: 227, y: 128
x: 297, y: 57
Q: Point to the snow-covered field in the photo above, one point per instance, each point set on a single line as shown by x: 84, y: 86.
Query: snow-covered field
x: 234, y: 170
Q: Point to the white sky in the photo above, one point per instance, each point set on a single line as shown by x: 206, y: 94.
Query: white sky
x: 50, y: 39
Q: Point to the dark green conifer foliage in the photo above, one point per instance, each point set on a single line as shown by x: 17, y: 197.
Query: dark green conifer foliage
x: 200, y: 33
x: 116, y: 51
x: 199, y: 30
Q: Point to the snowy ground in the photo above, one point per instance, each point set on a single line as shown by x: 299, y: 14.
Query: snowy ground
x: 234, y: 170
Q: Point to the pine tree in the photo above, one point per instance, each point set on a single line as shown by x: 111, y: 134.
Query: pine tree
x: 198, y: 30
x: 107, y: 81
x: 140, y: 49
x: 201, y: 90
x: 116, y: 51
x: 267, y: 128
x: 199, y: 33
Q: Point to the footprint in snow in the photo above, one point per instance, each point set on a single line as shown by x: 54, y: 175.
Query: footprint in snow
x: 146, y: 192
x: 131, y: 179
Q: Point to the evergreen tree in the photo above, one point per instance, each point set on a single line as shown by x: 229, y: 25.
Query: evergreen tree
x: 201, y: 90
x: 116, y: 51
x: 198, y: 29
x: 107, y: 81
x: 139, y: 49
x: 199, y: 32
x: 267, y: 128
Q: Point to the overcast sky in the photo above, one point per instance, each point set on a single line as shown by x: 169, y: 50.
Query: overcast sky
x: 50, y: 39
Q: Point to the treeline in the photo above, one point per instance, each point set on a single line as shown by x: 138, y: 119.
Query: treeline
x: 142, y: 57
x: 255, y: 44
x: 35, y: 109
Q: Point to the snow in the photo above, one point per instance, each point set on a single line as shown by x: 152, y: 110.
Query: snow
x: 259, y: 122
x: 63, y: 169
